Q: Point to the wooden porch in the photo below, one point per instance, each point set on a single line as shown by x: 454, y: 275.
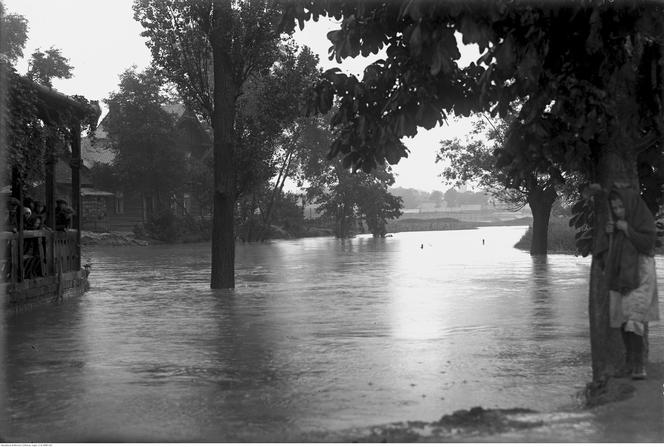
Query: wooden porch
x: 44, y: 265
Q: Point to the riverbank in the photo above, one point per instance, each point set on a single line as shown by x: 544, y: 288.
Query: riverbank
x: 627, y: 411
x: 114, y: 238
x: 118, y: 238
x: 560, y: 237
x: 447, y: 224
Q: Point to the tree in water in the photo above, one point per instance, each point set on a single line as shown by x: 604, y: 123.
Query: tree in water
x: 345, y: 197
x: 484, y: 159
x: 211, y: 50
x: 589, y: 74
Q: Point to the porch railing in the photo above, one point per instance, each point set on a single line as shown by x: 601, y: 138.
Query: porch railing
x: 39, y: 253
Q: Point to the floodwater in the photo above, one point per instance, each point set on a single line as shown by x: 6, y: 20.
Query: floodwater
x: 320, y: 334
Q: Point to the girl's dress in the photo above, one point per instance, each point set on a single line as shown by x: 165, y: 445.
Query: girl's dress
x: 630, y: 266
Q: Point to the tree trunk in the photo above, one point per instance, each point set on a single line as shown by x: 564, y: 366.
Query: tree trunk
x: 541, y: 202
x: 223, y: 237
x: 276, y: 192
x: 616, y: 165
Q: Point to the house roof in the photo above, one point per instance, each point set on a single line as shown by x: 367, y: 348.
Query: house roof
x: 63, y: 172
x: 102, y: 152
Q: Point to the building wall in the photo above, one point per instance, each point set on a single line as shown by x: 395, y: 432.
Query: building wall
x: 94, y: 214
x: 126, y: 211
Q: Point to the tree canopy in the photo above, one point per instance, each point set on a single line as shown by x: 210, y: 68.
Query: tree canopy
x: 13, y: 35
x: 560, y: 58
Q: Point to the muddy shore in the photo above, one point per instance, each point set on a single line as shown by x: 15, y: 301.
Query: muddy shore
x: 626, y: 411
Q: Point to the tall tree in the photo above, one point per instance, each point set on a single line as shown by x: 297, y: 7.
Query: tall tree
x: 13, y: 35
x: 589, y: 73
x: 269, y: 126
x: 210, y: 49
x: 142, y: 134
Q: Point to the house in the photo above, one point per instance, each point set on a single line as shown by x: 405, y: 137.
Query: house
x: 126, y: 208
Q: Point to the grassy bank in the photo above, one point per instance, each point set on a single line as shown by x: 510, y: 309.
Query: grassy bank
x: 447, y: 223
x: 561, y: 237
x: 439, y: 224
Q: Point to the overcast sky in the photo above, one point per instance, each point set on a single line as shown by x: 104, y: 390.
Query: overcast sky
x: 101, y: 40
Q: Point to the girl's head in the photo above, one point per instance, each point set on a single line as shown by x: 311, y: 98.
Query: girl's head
x: 617, y: 205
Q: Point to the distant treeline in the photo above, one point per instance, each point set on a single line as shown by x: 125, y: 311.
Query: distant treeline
x: 415, y: 198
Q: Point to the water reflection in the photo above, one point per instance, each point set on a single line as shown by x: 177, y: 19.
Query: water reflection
x: 542, y: 297
x: 319, y: 334
x: 4, y: 396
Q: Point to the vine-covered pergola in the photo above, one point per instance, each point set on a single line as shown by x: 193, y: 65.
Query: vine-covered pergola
x: 37, y: 123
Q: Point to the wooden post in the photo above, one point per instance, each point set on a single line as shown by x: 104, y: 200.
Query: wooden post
x: 75, y: 164
x: 15, y: 260
x: 17, y: 193
x: 49, y: 190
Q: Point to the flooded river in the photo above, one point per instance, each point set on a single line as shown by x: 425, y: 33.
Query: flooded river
x: 320, y: 334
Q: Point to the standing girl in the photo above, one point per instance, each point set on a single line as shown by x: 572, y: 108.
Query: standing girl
x: 630, y: 271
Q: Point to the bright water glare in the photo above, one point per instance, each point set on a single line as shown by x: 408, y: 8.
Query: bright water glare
x: 320, y: 334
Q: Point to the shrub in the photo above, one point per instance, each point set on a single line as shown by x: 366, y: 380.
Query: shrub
x: 166, y: 226
x: 560, y: 235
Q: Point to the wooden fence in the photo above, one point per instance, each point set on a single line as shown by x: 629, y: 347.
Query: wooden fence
x: 38, y: 254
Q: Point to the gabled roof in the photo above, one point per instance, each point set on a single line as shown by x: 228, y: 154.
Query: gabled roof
x: 102, y: 152
x: 63, y: 172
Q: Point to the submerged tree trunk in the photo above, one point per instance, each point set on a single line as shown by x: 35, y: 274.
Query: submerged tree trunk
x: 223, y: 236
x: 541, y: 202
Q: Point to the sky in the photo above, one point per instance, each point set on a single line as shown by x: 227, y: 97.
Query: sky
x: 101, y: 40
